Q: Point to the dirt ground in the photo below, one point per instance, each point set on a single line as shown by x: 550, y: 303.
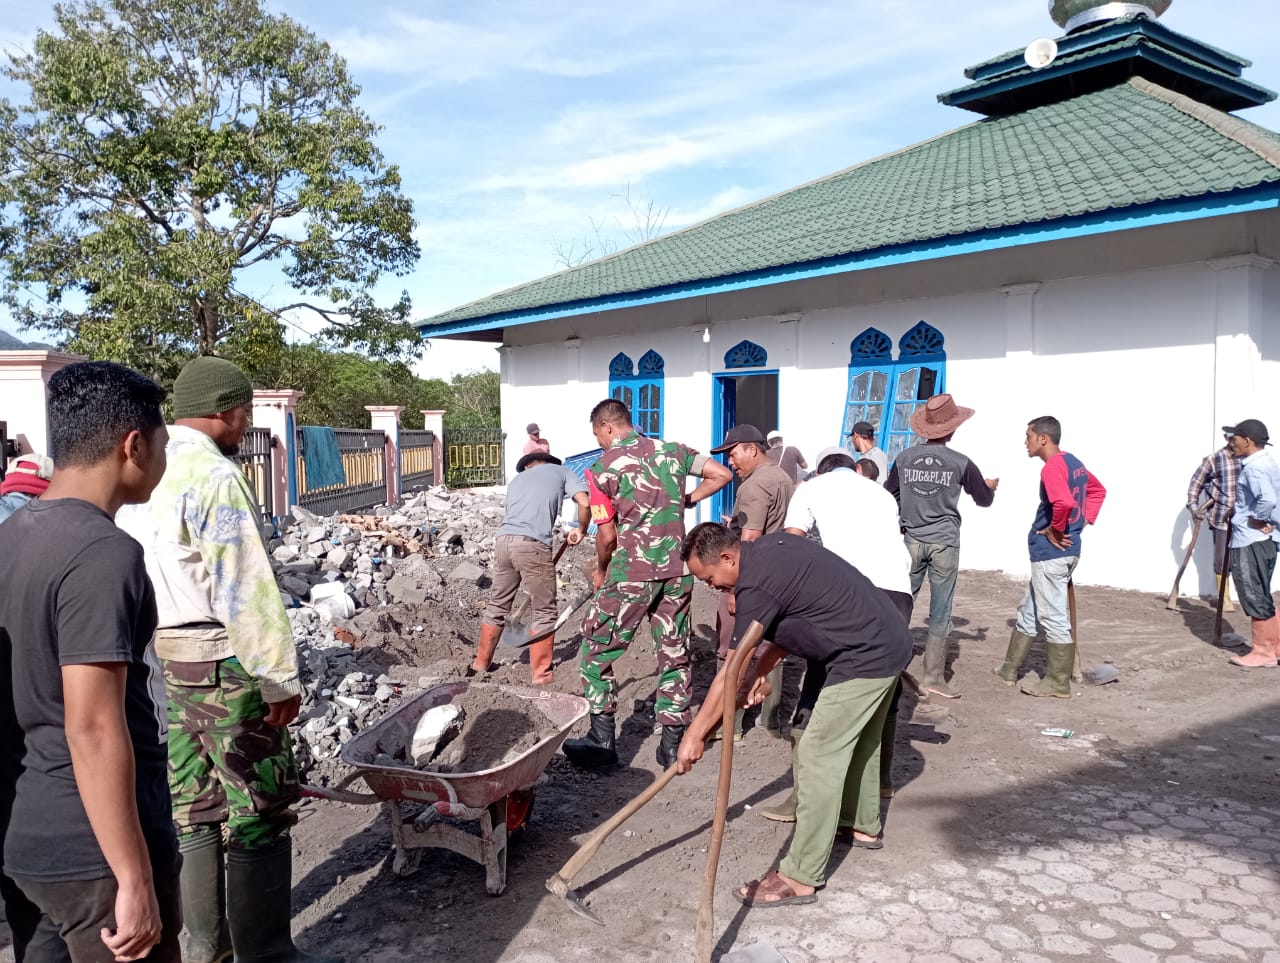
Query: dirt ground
x: 1001, y: 844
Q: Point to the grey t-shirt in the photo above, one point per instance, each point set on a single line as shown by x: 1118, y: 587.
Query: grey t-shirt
x: 534, y: 498
x: 881, y: 460
x: 927, y: 481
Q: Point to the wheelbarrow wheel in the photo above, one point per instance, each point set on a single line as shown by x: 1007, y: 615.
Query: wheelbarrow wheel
x: 519, y: 806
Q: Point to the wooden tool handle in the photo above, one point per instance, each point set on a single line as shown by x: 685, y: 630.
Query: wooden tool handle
x: 559, y: 552
x: 702, y: 940
x: 1077, y: 673
x: 588, y: 849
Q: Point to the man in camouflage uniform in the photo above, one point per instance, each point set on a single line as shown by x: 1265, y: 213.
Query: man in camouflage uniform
x: 231, y: 677
x: 639, y: 572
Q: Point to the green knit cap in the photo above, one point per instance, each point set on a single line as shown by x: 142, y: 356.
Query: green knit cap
x: 207, y: 386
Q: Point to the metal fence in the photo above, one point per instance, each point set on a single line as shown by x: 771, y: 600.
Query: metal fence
x: 364, y: 461
x: 473, y: 456
x: 254, y: 459
x: 417, y: 460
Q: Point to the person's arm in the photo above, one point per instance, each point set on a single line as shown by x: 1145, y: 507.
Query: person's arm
x: 1227, y: 468
x: 892, y: 485
x: 800, y: 460
x: 606, y: 542
x: 245, y: 596
x: 711, y: 713
x: 981, y: 490
x: 1195, y: 488
x: 799, y: 519
x: 714, y: 477
x: 1264, y: 507
x: 1093, y: 497
x: 103, y: 766
x: 583, y: 501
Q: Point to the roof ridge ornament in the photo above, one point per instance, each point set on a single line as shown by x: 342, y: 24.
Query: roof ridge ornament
x: 1071, y: 15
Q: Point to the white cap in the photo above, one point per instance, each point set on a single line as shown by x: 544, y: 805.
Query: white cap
x: 772, y: 435
x: 833, y: 450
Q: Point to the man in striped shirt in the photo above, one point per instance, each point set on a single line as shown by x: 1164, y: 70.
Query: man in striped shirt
x: 1212, y: 495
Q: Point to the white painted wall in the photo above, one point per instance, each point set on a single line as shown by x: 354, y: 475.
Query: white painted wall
x: 1142, y: 366
x: 24, y: 376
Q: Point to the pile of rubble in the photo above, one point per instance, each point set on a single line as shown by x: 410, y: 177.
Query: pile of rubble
x: 385, y: 604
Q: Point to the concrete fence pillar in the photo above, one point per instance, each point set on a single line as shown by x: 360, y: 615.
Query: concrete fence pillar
x: 434, y: 421
x: 386, y: 418
x: 273, y: 409
x: 24, y: 395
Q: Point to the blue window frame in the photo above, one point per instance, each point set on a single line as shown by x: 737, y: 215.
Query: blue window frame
x: 640, y: 390
x: 746, y: 354
x: 886, y: 393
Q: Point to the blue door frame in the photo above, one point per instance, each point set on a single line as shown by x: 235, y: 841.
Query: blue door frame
x: 724, y: 414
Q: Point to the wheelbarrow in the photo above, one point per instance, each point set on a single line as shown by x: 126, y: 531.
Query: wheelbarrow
x: 499, y: 799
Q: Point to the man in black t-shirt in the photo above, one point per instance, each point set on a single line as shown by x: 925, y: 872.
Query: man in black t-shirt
x: 90, y: 839
x: 816, y: 605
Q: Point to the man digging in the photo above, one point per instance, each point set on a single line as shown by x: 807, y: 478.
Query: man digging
x: 522, y: 556
x: 643, y: 575
x: 817, y: 606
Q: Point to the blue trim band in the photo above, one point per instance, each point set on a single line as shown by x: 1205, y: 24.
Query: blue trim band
x: 1263, y: 197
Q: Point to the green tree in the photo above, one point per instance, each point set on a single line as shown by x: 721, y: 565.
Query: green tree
x: 168, y: 147
x: 475, y: 401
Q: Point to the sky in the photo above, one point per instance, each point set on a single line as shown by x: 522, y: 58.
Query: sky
x: 520, y: 128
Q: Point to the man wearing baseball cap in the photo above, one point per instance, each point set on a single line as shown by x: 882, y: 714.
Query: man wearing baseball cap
x: 1255, y: 529
x: 230, y: 674
x: 536, y: 442
x: 863, y: 437
x: 927, y: 480
x: 27, y: 478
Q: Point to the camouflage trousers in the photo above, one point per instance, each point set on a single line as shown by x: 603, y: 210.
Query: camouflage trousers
x: 608, y: 628
x: 226, y: 765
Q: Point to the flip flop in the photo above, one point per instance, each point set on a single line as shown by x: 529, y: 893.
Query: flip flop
x: 845, y: 835
x: 771, y: 884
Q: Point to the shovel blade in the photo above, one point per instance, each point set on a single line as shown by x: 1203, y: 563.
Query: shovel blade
x: 515, y: 634
x: 1101, y: 674
x: 755, y: 953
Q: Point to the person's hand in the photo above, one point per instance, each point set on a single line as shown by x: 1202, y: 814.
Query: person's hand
x: 992, y: 483
x: 137, y: 922
x: 280, y: 714
x: 573, y: 536
x: 1057, y: 539
x: 690, y: 752
x: 760, y: 690
x: 597, y: 579
x: 689, y: 501
x: 1263, y: 525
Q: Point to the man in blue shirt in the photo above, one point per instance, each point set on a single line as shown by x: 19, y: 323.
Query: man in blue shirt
x: 1253, y: 540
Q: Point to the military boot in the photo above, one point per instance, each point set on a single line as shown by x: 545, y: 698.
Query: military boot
x: 203, y: 882
x: 1056, y: 682
x: 596, y: 749
x: 935, y: 668
x: 669, y: 745
x: 1019, y: 646
x: 258, y: 906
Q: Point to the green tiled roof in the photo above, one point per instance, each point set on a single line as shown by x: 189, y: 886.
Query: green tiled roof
x: 1133, y: 144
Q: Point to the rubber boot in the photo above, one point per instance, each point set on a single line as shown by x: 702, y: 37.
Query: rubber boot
x: 669, y: 745
x: 887, y: 738
x: 1266, y: 645
x: 1056, y: 682
x: 771, y: 707
x: 483, y: 661
x: 596, y: 749
x: 258, y: 890
x: 203, y: 881
x: 935, y: 668
x: 1226, y: 595
x: 785, y: 811
x: 540, y: 653
x: 1019, y: 646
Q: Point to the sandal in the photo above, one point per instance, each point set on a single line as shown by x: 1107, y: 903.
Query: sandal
x: 771, y: 885
x: 844, y: 834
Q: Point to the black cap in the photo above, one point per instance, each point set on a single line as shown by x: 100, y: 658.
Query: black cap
x: 532, y: 428
x: 534, y: 457
x: 739, y: 435
x: 864, y: 428
x: 1250, y: 428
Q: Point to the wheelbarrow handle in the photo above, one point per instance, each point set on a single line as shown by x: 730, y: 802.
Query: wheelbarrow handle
x: 340, y: 793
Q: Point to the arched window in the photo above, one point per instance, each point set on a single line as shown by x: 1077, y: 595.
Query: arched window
x: 746, y: 354
x: 640, y: 390
x: 886, y: 393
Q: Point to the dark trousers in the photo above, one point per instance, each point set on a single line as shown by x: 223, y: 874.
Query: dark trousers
x: 78, y: 910
x: 1252, y: 566
x: 34, y: 935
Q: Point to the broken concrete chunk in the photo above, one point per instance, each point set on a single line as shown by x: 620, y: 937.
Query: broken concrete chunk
x: 466, y: 572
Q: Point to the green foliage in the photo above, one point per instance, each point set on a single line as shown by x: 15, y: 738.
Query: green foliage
x: 475, y: 401
x: 169, y: 146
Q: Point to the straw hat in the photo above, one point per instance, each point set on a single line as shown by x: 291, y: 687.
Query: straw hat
x: 939, y: 417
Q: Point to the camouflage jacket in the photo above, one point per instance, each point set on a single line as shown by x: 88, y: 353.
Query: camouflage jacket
x: 645, y: 480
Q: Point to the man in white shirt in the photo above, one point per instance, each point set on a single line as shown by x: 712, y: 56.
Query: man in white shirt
x: 858, y: 520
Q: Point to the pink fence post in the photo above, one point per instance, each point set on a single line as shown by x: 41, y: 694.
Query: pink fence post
x: 24, y: 382
x: 386, y: 418
x: 273, y: 409
x: 434, y: 421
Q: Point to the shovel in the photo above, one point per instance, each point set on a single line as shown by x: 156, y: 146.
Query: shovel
x: 1099, y: 674
x: 1198, y: 515
x: 516, y: 631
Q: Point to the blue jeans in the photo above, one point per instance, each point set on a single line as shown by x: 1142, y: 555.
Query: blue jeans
x: 941, y: 562
x: 1045, y: 600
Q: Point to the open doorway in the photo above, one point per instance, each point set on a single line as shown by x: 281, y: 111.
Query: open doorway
x: 738, y: 399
